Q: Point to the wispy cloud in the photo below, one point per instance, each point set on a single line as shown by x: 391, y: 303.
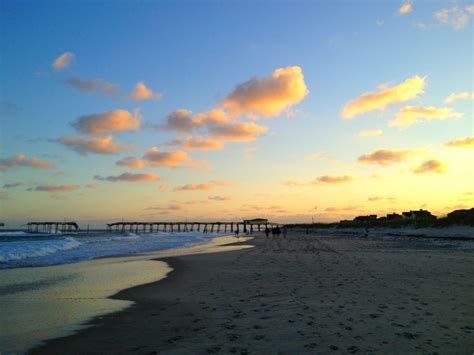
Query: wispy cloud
x: 267, y: 96
x: 332, y: 179
x: 140, y: 91
x: 63, y: 61
x: 131, y: 163
x: 95, y: 85
x: 220, y: 198
x: 180, y: 120
x: 203, y: 186
x: 370, y: 133
x: 340, y: 209
x: 411, y: 115
x: 108, y: 122
x: 386, y: 156
x: 57, y: 188
x: 21, y: 161
x: 431, y: 166
x: 202, y: 143
x: 455, y: 17
x: 321, y: 180
x: 459, y: 96
x: 130, y: 177
x: 157, y: 158
x: 12, y: 185
x: 95, y: 145
x: 237, y: 132
x: 379, y: 198
x: 467, y: 142
x: 294, y: 183
x: 384, y: 97
x: 92, y: 186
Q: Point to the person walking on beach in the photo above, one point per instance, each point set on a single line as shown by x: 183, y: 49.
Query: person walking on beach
x: 273, y: 232
x: 267, y: 232
x: 277, y: 231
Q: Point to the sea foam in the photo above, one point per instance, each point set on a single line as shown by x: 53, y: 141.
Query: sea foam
x: 18, y: 250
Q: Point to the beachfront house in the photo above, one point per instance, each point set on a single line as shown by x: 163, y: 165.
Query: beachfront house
x: 420, y: 214
x: 363, y: 219
x: 461, y: 217
x: 393, y: 216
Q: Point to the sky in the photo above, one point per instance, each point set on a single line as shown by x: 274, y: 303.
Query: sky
x: 222, y: 110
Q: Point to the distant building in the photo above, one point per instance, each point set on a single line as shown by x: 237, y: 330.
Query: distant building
x: 392, y: 216
x: 420, y: 214
x: 461, y: 213
x: 371, y: 217
x: 461, y: 217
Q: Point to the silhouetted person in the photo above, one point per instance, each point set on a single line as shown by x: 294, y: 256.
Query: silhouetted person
x: 273, y: 232
x: 277, y: 231
x: 236, y: 233
x: 267, y: 231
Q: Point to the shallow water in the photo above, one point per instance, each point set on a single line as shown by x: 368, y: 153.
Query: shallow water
x: 43, y: 302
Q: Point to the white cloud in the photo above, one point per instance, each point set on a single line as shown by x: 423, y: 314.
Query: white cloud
x: 405, y: 8
x: 454, y: 17
x: 63, y: 61
x: 459, y: 96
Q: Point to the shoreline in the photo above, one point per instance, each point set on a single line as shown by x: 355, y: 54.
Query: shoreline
x: 436, y: 233
x: 304, y: 294
x: 47, y: 302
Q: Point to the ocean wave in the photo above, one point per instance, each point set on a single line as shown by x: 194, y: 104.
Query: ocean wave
x: 20, y: 234
x: 128, y: 236
x: 27, y: 249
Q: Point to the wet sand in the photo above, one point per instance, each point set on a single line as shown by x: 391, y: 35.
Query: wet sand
x: 305, y: 294
x: 39, y: 303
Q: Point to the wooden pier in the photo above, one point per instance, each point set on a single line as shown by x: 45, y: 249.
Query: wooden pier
x: 205, y: 227
x: 52, y: 227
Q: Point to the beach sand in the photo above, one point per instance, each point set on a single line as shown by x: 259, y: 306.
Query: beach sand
x: 304, y: 294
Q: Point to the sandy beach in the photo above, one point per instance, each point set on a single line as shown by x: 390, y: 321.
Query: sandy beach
x: 304, y: 294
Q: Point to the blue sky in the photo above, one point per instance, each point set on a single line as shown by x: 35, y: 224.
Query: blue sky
x: 195, y: 53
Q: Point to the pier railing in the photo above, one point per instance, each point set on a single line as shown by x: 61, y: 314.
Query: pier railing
x: 52, y: 227
x: 205, y: 227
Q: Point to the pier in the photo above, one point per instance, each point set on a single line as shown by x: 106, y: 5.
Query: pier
x: 52, y: 227
x: 205, y: 227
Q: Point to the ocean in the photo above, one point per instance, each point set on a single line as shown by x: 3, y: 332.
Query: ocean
x: 23, y: 249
